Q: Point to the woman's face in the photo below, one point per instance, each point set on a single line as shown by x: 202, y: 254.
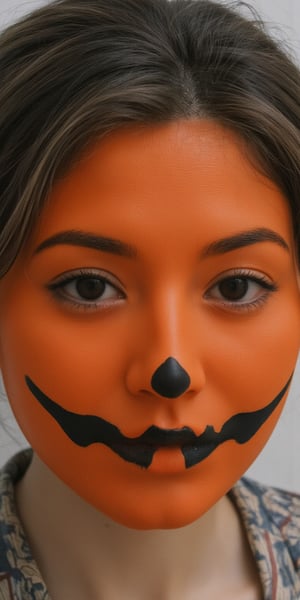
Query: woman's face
x: 149, y: 331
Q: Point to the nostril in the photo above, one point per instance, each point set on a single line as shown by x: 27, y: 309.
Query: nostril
x: 170, y: 379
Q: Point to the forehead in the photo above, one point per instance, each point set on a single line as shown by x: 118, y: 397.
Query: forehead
x: 179, y: 175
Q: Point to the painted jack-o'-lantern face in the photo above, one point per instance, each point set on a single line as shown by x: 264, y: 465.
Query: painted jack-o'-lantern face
x: 149, y: 331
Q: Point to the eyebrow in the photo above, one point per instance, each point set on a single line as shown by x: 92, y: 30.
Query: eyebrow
x: 242, y: 239
x: 113, y: 246
x: 88, y: 240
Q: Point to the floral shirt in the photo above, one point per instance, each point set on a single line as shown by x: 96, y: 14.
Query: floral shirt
x: 271, y: 518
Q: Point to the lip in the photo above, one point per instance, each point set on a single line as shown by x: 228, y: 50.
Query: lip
x: 141, y: 449
x: 197, y: 452
x: 173, y: 441
x: 161, y: 438
x: 140, y: 454
x: 168, y: 461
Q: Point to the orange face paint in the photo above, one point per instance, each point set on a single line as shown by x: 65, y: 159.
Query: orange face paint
x: 150, y: 329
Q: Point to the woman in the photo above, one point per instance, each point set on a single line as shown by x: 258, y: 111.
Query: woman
x: 150, y: 307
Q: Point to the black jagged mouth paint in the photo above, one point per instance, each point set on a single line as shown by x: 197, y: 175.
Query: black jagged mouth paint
x: 85, y: 430
x: 196, y: 453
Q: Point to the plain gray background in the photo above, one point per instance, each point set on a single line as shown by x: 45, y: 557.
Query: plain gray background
x: 279, y: 463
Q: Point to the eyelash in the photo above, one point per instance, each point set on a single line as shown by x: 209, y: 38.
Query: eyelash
x: 57, y: 289
x: 247, y: 276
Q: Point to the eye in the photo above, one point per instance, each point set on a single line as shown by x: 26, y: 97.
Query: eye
x: 86, y: 289
x: 241, y: 291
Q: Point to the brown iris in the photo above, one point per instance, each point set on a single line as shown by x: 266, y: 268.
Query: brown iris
x: 233, y: 288
x: 90, y: 288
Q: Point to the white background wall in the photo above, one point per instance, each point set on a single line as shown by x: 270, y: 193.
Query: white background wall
x: 279, y: 463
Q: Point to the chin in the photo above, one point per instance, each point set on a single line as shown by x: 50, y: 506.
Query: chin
x: 165, y: 511
x: 154, y: 520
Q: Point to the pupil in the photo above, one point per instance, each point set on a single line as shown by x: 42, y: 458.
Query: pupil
x: 234, y: 288
x: 90, y: 289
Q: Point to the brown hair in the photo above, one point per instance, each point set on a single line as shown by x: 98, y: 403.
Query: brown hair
x: 75, y: 70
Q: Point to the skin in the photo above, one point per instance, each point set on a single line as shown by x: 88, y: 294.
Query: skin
x: 70, y: 539
x: 172, y: 192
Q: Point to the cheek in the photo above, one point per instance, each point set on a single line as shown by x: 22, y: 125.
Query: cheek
x: 81, y: 368
x: 246, y: 361
x: 255, y: 356
x: 78, y: 361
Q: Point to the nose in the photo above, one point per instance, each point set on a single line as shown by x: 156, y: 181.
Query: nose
x: 170, y: 379
x: 165, y: 351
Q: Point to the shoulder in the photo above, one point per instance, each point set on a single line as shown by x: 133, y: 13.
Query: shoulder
x: 19, y: 574
x: 10, y: 526
x: 271, y: 518
x: 274, y: 509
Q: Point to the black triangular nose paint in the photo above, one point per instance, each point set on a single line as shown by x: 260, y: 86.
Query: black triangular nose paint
x: 170, y: 379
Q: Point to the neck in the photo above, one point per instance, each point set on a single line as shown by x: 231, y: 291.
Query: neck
x: 83, y: 549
